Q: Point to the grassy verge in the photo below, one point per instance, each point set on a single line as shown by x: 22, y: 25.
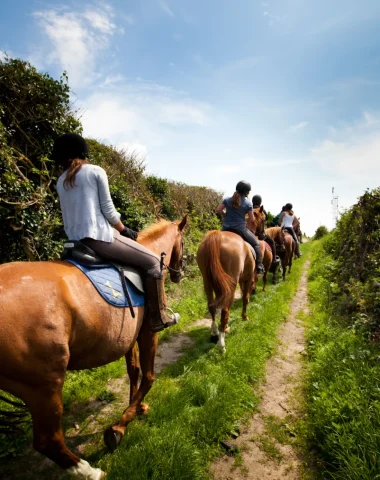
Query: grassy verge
x: 343, y: 387
x: 201, y: 398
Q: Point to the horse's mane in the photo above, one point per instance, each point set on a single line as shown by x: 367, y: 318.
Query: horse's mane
x: 154, y: 231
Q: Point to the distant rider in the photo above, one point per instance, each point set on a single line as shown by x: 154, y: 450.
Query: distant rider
x: 256, y: 203
x: 236, y: 207
x: 287, y: 220
x: 89, y: 215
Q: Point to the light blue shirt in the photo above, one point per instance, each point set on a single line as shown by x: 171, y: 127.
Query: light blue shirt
x: 87, y: 208
x: 235, y: 217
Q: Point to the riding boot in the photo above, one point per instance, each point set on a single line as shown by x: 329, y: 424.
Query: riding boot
x: 259, y: 262
x: 298, y: 253
x: 272, y: 244
x: 155, y: 308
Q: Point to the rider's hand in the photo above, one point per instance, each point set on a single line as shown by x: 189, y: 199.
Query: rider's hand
x: 129, y: 233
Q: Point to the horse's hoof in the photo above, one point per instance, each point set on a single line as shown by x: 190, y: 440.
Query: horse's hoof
x: 245, y: 318
x: 214, y: 338
x: 144, y: 409
x: 227, y: 330
x: 103, y: 476
x: 112, y: 438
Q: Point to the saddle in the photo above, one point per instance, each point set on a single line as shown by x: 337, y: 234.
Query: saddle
x: 120, y: 285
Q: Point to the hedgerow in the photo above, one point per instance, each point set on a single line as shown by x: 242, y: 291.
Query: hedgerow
x: 35, y: 109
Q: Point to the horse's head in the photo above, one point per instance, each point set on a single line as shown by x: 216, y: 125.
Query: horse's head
x: 259, y: 220
x: 176, y: 259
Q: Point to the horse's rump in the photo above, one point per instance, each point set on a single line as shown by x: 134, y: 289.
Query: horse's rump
x: 51, y: 312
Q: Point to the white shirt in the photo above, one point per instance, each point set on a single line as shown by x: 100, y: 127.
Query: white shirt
x: 87, y: 208
x: 287, y: 221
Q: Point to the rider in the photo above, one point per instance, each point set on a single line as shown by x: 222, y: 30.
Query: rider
x: 287, y: 219
x: 256, y: 202
x: 89, y: 215
x: 236, y: 208
x: 276, y: 220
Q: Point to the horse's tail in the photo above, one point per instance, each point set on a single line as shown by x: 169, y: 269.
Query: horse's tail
x: 12, y: 419
x: 218, y: 279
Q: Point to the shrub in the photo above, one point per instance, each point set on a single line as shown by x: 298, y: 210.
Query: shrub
x: 320, y: 232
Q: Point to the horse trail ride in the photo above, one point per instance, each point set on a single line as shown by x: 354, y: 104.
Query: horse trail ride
x: 54, y: 321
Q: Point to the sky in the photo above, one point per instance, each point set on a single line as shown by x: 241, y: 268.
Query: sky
x: 282, y: 93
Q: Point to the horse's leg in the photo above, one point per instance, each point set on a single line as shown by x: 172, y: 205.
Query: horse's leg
x: 265, y: 276
x: 212, y: 309
x: 147, y: 341
x: 224, y: 321
x: 133, y: 368
x: 46, y: 408
x: 245, y: 294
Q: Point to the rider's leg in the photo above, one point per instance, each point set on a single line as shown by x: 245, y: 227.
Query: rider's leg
x: 128, y: 252
x: 293, y: 234
x: 248, y: 236
x: 272, y: 245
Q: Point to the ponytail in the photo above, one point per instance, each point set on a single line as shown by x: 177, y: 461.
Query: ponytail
x: 74, y: 167
x: 236, y: 200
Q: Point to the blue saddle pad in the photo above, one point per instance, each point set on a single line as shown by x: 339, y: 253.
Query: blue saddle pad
x: 107, y: 282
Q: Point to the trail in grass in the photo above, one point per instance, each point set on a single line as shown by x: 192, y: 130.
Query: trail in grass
x: 267, y: 443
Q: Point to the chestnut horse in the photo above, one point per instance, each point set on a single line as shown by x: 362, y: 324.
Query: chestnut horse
x: 278, y: 235
x: 225, y: 260
x: 53, y: 320
x: 282, y: 237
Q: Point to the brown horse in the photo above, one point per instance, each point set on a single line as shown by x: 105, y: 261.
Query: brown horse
x: 225, y: 260
x: 278, y: 235
x: 53, y: 320
x: 282, y: 237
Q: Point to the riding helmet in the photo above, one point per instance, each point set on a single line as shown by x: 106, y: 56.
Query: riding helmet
x: 243, y: 187
x: 69, y: 146
x: 288, y: 206
x: 257, y: 200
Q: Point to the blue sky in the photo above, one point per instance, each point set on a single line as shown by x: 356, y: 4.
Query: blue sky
x: 283, y: 93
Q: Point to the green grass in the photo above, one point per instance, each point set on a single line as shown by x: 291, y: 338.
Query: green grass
x: 198, y: 401
x: 343, y: 387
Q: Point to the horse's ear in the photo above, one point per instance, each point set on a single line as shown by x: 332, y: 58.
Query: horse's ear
x: 261, y: 209
x: 183, y: 223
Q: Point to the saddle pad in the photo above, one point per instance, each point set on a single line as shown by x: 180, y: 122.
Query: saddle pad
x: 107, y: 282
x: 252, y: 250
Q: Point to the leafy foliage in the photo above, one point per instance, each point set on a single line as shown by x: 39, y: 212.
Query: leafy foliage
x: 355, y: 271
x: 320, y: 232
x: 34, y: 109
x: 343, y: 386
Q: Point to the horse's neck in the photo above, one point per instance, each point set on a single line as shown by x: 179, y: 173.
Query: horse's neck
x: 162, y: 243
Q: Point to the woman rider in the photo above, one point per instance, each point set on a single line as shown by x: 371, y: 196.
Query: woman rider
x: 256, y: 203
x: 287, y: 219
x: 89, y: 215
x: 236, y: 208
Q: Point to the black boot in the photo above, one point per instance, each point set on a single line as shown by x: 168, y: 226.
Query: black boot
x: 155, y: 307
x: 298, y: 253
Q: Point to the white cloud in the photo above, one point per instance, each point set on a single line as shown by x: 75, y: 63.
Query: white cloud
x: 141, y: 114
x: 165, y: 7
x: 2, y: 55
x: 299, y: 126
x: 76, y: 40
x: 352, y: 151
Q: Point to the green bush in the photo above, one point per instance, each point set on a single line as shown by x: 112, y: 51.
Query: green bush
x: 343, y: 385
x: 34, y: 109
x: 320, y: 232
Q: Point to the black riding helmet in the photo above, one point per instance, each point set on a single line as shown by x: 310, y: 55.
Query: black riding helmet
x: 257, y: 200
x: 243, y: 187
x: 69, y: 146
x: 288, y: 206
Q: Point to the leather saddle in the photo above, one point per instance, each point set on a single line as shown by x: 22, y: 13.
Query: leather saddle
x: 84, y: 255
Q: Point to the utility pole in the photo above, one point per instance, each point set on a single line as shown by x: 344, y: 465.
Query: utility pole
x: 335, y: 206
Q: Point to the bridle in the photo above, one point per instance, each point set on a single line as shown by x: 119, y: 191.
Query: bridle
x: 181, y: 269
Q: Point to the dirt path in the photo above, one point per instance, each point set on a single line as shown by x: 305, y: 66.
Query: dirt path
x: 267, y: 444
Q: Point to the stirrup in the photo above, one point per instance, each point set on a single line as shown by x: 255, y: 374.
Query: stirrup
x: 174, y: 321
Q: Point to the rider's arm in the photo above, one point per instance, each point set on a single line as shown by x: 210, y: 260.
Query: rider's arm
x: 220, y: 209
x: 281, y: 218
x: 106, y: 204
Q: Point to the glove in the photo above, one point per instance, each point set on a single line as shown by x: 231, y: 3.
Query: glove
x: 129, y: 233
